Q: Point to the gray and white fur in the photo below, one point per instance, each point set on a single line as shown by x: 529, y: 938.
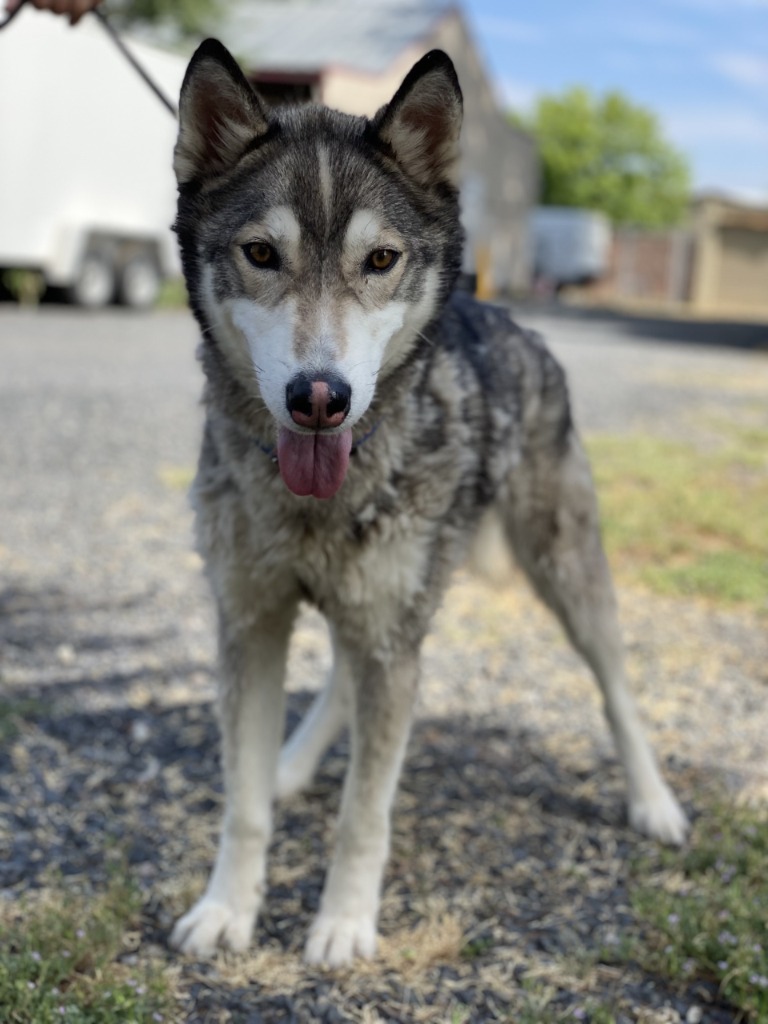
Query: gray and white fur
x: 363, y: 421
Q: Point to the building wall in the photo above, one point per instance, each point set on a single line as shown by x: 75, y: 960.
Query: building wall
x: 651, y: 265
x: 499, y: 167
x: 717, y: 266
x: 730, y: 273
x: 356, y: 92
x: 743, y: 278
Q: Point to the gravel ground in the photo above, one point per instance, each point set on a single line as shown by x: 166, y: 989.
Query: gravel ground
x: 510, y: 853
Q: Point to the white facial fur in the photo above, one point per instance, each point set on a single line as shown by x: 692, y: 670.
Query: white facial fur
x: 369, y: 333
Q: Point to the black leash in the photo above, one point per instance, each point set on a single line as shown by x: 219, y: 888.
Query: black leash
x: 9, y: 17
x: 113, y: 35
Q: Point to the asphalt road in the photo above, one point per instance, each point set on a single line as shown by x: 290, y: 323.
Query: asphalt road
x: 93, y: 411
x: 99, y: 411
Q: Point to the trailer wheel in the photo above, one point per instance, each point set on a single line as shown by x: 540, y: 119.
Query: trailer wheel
x: 96, y: 281
x: 140, y: 282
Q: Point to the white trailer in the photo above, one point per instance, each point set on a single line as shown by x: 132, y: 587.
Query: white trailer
x: 87, y: 193
x: 570, y: 245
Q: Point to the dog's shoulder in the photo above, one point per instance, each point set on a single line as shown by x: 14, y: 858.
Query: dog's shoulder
x: 514, y: 369
x: 475, y: 325
x: 501, y: 351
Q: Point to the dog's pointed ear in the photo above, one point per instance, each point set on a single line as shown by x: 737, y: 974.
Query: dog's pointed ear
x: 422, y: 123
x: 219, y: 114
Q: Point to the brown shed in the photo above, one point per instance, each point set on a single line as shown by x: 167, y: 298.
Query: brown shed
x: 730, y: 266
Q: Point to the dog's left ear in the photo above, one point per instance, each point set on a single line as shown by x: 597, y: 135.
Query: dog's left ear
x: 421, y: 125
x: 219, y: 114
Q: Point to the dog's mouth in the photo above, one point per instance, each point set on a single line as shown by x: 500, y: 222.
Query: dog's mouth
x: 313, y: 464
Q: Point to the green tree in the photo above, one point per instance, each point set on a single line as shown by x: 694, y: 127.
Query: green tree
x: 178, y: 18
x: 605, y: 153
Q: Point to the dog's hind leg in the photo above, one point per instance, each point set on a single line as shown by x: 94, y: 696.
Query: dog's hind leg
x: 252, y: 666
x: 383, y: 697
x: 552, y: 522
x: 318, y: 729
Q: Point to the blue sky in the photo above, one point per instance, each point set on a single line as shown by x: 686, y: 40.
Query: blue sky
x: 700, y: 65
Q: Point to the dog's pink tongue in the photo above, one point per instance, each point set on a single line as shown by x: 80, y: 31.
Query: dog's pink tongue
x: 313, y: 463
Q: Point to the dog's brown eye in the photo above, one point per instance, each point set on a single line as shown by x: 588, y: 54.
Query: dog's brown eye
x: 381, y: 260
x: 261, y: 255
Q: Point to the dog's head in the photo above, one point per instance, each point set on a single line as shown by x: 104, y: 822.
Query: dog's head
x: 317, y: 246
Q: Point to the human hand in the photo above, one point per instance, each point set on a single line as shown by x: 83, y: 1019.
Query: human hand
x: 74, y: 8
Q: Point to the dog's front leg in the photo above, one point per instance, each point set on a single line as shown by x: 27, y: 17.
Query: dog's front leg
x: 383, y: 696
x: 251, y: 712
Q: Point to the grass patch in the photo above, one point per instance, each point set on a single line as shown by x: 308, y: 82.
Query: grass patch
x: 25, y: 286
x: 536, y: 1008
x: 176, y: 478
x: 13, y: 714
x: 687, y: 522
x: 59, y: 962
x: 477, y: 948
x: 173, y: 294
x: 730, y: 576
x: 706, y: 910
x: 540, y: 1006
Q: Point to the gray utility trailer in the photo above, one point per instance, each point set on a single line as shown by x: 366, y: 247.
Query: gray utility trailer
x: 87, y: 192
x: 570, y: 245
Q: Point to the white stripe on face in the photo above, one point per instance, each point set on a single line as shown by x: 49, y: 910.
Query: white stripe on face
x: 254, y: 339
x: 367, y: 333
x: 279, y: 227
x: 281, y: 223
x: 378, y: 340
x: 268, y: 333
x: 326, y: 187
x: 365, y: 232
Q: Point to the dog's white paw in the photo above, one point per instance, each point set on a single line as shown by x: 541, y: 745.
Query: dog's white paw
x: 210, y: 924
x: 293, y: 776
x: 660, y: 817
x: 337, y: 941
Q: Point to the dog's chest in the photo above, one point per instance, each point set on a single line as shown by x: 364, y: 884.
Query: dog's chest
x: 366, y: 553
x: 363, y: 557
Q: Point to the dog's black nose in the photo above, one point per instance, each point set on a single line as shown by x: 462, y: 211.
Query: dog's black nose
x: 298, y: 396
x: 318, y: 402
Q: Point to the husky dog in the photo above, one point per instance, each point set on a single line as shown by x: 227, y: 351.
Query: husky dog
x: 363, y: 421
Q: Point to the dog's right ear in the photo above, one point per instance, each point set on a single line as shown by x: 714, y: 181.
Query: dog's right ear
x: 219, y: 114
x: 421, y: 125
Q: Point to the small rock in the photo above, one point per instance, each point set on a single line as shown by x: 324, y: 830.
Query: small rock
x: 140, y: 731
x: 150, y: 771
x: 65, y: 653
x: 694, y: 1015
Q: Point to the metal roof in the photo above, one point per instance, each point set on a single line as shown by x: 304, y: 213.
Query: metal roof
x: 310, y: 35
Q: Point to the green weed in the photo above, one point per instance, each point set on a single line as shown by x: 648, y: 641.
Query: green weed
x: 476, y: 948
x: 12, y: 715
x: 536, y: 1007
x: 58, y: 963
x: 26, y: 286
x: 707, y: 910
x: 176, y: 478
x: 173, y: 294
